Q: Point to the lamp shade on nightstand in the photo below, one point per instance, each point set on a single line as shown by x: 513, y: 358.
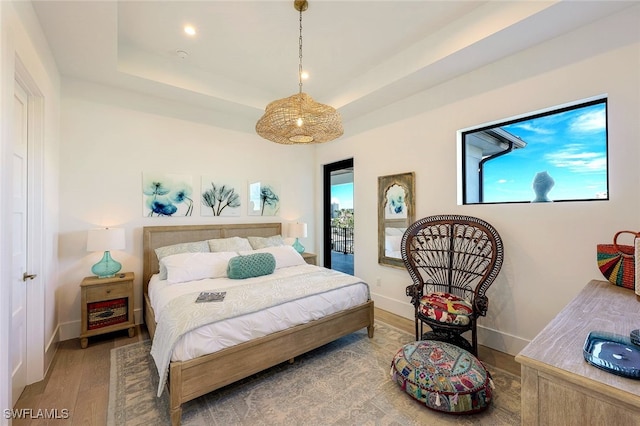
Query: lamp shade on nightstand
x: 105, y: 239
x: 298, y: 230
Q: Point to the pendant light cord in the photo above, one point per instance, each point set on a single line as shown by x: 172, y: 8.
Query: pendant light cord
x: 300, y: 54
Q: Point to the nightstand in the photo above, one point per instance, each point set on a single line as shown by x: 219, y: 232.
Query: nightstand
x: 310, y: 258
x: 107, y: 305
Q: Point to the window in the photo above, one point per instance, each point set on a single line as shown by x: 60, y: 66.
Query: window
x: 555, y: 155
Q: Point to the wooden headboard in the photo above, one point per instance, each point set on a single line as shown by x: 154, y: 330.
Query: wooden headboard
x: 160, y: 236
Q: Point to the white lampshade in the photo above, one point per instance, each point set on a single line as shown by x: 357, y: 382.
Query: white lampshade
x: 105, y: 239
x: 298, y: 230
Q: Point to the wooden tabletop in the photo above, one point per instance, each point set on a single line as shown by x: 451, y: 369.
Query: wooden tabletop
x: 93, y: 280
x: 557, y: 350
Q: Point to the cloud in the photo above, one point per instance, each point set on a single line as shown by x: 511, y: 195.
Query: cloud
x: 577, y: 160
x: 530, y: 126
x: 592, y: 121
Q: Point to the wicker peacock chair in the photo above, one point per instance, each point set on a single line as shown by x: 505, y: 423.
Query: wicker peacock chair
x: 452, y: 261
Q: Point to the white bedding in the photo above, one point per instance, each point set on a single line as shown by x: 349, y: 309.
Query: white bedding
x: 222, y: 334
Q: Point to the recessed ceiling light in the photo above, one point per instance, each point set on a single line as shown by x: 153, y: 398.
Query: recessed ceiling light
x: 190, y: 30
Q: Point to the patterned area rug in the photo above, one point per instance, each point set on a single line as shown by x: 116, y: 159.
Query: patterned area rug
x: 346, y: 382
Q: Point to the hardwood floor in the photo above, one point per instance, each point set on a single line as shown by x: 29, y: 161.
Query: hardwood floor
x: 78, y: 380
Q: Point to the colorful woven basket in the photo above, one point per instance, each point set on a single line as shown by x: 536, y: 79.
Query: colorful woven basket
x: 617, y: 262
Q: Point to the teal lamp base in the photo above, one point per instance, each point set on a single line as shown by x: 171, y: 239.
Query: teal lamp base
x: 299, y: 247
x: 107, y: 267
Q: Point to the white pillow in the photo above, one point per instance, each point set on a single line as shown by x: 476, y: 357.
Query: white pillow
x: 392, y: 243
x: 229, y: 244
x: 286, y: 256
x: 192, y: 247
x: 394, y: 231
x: 262, y: 242
x: 185, y: 267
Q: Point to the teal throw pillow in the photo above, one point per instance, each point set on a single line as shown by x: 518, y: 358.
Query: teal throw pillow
x: 252, y: 265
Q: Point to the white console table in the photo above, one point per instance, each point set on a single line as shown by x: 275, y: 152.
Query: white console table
x: 558, y: 386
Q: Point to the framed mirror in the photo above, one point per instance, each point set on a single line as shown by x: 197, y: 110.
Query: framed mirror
x: 396, y: 211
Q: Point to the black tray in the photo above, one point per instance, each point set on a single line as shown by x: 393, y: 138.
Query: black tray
x: 613, y: 353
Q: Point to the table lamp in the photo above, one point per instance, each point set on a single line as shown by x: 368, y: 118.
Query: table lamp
x: 105, y: 239
x: 298, y: 230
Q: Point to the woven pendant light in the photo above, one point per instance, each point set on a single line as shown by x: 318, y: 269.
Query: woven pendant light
x: 299, y: 119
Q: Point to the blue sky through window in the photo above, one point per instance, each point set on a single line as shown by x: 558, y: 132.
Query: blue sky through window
x: 570, y: 145
x: 343, y: 195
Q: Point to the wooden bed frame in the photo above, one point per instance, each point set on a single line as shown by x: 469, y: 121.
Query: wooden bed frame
x: 194, y: 378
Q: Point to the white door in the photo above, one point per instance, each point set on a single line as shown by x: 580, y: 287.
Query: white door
x: 19, y: 246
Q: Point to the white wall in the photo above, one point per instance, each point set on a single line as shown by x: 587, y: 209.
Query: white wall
x: 109, y: 141
x: 21, y: 37
x: 550, y: 249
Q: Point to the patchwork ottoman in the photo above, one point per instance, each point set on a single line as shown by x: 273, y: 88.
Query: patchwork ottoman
x: 442, y: 376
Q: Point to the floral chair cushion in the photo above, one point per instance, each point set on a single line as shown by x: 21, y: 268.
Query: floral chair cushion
x: 442, y: 376
x: 446, y: 308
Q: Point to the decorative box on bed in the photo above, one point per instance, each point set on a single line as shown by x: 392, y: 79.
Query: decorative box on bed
x: 193, y: 372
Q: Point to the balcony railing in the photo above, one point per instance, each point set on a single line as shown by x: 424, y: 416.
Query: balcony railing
x: 342, y: 240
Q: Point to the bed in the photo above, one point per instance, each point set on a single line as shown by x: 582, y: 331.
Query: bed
x: 190, y: 379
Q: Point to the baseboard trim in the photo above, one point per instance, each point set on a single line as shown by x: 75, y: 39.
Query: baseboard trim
x: 50, y: 350
x: 404, y: 310
x: 501, y: 341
